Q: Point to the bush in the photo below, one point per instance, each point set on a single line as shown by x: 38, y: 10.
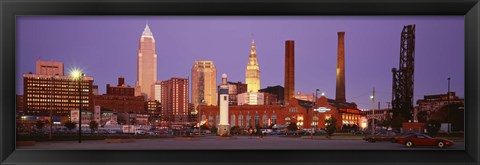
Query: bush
x: 330, y: 126
x: 70, y: 125
x: 40, y: 124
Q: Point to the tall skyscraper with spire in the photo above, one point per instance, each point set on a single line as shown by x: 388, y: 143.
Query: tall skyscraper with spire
x: 252, y: 75
x: 147, y: 64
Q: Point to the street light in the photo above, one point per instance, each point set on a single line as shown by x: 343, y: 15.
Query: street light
x: 316, y: 106
x: 373, y: 112
x: 78, y: 76
x: 448, y: 105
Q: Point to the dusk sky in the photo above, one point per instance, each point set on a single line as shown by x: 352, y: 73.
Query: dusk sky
x: 105, y: 47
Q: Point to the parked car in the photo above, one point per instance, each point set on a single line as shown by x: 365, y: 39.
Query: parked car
x: 267, y: 131
x: 382, y: 136
x: 140, y: 131
x: 419, y: 139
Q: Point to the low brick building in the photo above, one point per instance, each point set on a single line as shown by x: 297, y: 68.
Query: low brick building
x: 297, y: 111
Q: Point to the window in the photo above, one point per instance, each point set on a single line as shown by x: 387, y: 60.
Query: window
x: 265, y: 121
x: 249, y: 120
x: 274, y: 119
x: 240, y: 121
x: 257, y: 120
x: 232, y: 120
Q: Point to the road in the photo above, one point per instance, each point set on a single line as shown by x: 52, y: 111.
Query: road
x: 238, y: 142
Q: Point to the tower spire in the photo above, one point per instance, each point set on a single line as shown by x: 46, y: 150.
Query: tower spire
x: 146, y: 31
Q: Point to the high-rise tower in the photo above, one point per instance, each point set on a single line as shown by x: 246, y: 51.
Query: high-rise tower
x: 289, y: 70
x: 252, y: 75
x: 147, y: 64
x: 340, y: 89
x: 204, y: 83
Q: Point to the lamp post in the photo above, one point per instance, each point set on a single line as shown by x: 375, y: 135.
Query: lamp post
x: 316, y: 106
x: 51, y: 107
x: 373, y: 112
x: 448, y: 105
x: 78, y: 75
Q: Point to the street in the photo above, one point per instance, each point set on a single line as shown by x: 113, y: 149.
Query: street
x: 237, y: 142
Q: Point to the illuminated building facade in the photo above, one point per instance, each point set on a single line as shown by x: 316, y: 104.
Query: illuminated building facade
x: 175, y: 101
x: 59, y: 93
x: 279, y: 116
x: 204, y: 83
x: 252, y: 75
x: 147, y: 64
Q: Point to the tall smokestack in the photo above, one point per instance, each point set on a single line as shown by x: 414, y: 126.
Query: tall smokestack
x: 340, y: 90
x: 289, y: 70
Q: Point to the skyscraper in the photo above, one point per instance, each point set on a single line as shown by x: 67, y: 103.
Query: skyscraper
x: 204, y: 83
x: 147, y: 64
x: 252, y: 75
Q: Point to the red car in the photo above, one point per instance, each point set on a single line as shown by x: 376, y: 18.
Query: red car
x: 418, y: 139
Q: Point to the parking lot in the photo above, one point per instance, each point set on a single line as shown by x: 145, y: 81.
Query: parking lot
x: 236, y: 142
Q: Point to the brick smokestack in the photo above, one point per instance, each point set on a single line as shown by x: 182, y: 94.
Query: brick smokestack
x: 289, y: 70
x: 121, y: 81
x: 340, y: 89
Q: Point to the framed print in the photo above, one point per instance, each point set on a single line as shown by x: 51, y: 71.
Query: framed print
x: 255, y: 82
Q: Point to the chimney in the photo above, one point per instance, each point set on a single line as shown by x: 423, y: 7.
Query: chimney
x: 340, y: 88
x: 289, y: 70
x: 121, y: 81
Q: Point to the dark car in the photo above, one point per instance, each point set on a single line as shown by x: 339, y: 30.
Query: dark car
x: 382, y: 136
x: 418, y: 139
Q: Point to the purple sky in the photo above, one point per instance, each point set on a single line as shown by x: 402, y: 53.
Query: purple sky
x: 105, y: 47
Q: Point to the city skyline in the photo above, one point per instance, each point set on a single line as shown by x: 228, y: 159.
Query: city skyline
x: 439, y: 42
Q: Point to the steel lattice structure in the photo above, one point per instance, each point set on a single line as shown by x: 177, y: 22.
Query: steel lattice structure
x: 402, y: 87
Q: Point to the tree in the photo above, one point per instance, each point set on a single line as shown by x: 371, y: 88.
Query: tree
x: 93, y: 126
x: 422, y: 116
x: 70, y: 125
x: 292, y: 126
x: 433, y: 126
x: 40, y: 124
x: 330, y: 126
x: 397, y: 122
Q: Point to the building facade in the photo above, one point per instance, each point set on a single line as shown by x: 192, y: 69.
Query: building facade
x: 275, y: 90
x: 433, y: 103
x: 234, y: 89
x: 174, y: 101
x: 157, y: 91
x: 146, y: 64
x: 58, y: 93
x: 296, y: 111
x: 204, y: 83
x: 120, y: 98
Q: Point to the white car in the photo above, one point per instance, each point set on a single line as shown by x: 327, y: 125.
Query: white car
x: 140, y: 131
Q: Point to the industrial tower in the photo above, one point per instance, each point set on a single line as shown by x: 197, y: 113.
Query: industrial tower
x: 402, y: 84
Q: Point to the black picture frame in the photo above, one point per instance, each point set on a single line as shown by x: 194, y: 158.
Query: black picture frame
x: 11, y: 8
